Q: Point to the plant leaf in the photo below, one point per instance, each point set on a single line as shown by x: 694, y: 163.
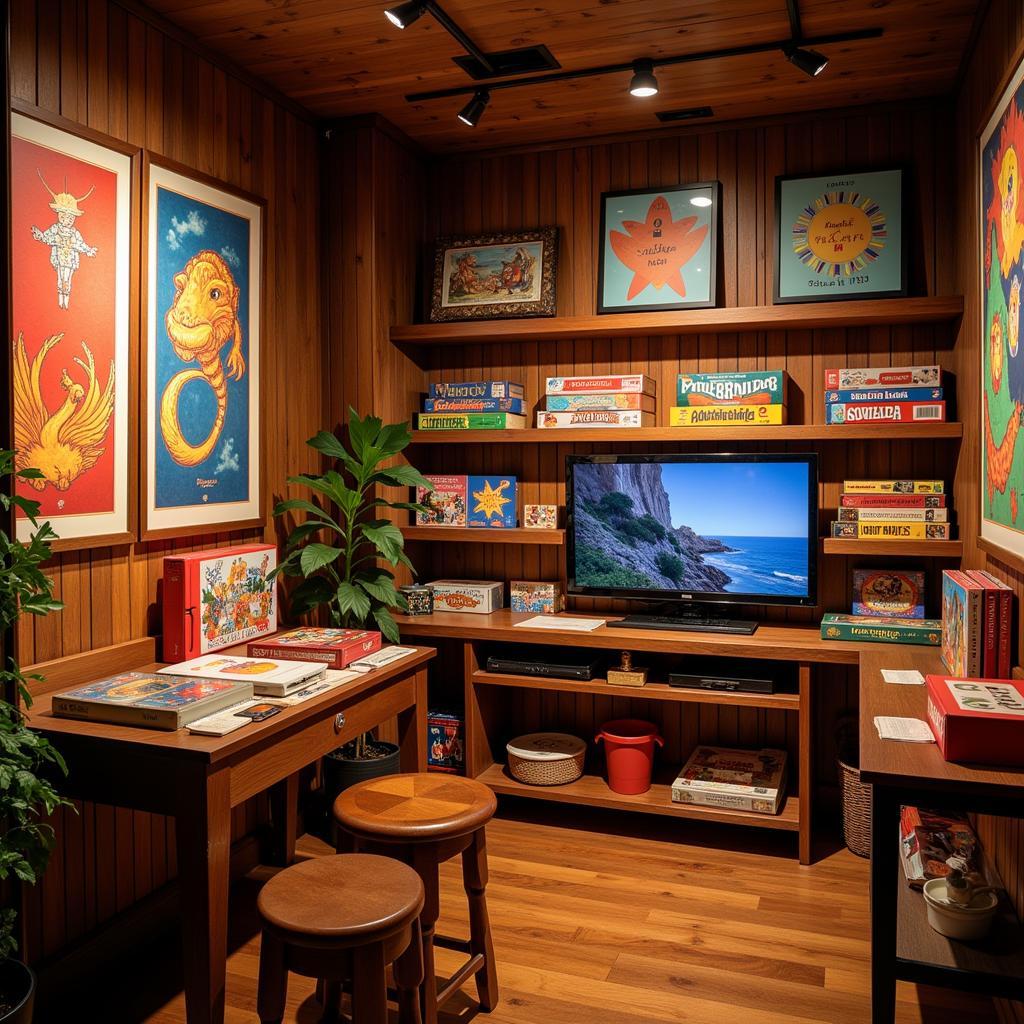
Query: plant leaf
x: 326, y: 443
x: 309, y: 593
x: 402, y: 476
x: 316, y: 555
x: 352, y: 601
x: 386, y: 624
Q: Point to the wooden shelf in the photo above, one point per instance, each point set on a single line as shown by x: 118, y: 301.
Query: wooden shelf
x: 730, y: 319
x: 696, y: 435
x: 652, y: 691
x: 593, y: 791
x: 485, y: 535
x: 894, y: 548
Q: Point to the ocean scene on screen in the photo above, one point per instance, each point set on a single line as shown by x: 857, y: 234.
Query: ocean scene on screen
x: 703, y: 527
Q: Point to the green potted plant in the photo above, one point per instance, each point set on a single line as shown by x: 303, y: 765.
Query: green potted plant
x: 27, y: 795
x: 338, y: 550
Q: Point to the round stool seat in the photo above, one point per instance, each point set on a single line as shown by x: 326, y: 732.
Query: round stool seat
x: 415, y: 807
x: 349, y: 896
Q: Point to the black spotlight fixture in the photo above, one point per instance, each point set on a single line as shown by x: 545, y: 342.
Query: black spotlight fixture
x: 643, y: 82
x: 405, y: 14
x: 472, y: 112
x: 810, y: 62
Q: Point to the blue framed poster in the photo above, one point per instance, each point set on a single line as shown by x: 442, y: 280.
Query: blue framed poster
x: 659, y: 249
x: 840, y: 236
x: 202, y: 355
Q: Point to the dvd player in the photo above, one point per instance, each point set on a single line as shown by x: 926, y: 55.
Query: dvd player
x: 735, y: 684
x: 555, y: 662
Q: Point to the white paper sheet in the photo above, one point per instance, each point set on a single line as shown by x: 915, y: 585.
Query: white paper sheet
x: 561, y: 622
x: 903, y: 677
x: 905, y: 730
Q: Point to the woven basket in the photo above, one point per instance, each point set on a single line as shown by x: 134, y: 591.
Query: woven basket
x: 556, y: 761
x: 856, y: 810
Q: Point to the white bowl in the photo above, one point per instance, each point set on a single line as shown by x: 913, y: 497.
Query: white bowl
x: 954, y: 921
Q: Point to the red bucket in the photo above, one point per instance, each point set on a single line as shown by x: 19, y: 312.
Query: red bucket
x: 629, y: 751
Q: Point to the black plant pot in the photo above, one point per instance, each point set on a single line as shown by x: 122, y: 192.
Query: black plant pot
x: 341, y: 771
x: 18, y: 990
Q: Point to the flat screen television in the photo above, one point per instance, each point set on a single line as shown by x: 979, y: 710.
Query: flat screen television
x: 738, y: 529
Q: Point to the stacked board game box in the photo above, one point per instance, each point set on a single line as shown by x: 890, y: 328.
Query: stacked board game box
x: 332, y: 647
x: 617, y: 400
x: 977, y: 624
x: 930, y: 839
x: 474, y: 405
x: 892, y: 394
x: 742, y: 780
x: 893, y: 510
x: 755, y: 398
x: 884, y: 629
x: 480, y: 501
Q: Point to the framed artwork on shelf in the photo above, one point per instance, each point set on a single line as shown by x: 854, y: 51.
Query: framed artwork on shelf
x: 659, y: 249
x: 495, y: 276
x: 840, y: 236
x: 1001, y: 268
x: 203, y: 291
x: 74, y: 272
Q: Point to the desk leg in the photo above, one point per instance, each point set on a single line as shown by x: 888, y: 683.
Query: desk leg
x: 203, y: 828
x: 885, y: 813
x: 284, y: 816
x: 412, y: 729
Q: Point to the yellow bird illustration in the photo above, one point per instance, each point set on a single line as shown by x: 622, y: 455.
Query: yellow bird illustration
x: 62, y: 445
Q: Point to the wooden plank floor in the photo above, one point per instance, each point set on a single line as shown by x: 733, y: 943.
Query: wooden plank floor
x: 609, y: 919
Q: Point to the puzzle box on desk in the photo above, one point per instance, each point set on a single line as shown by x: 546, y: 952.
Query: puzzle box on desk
x: 217, y: 598
x: 480, y: 597
x: 979, y: 720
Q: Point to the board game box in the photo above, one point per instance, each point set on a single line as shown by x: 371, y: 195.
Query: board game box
x: 481, y: 597
x: 150, y: 699
x: 962, y: 609
x: 446, y: 742
x: 1002, y: 596
x: 630, y: 382
x: 217, y: 598
x: 755, y: 387
x: 977, y: 719
x: 891, y: 531
x: 883, y: 376
x: 890, y: 593
x: 744, y: 780
x: 892, y: 515
x: 928, y: 839
x: 332, y: 647
x: 893, y: 487
x: 595, y: 418
x: 881, y: 629
x: 478, y: 389
x: 892, y: 500
x: 446, y: 503
x: 470, y: 421
x: 543, y: 598
x: 540, y: 517
x: 514, y: 405
x: 492, y: 502
x: 572, y: 403
x: 885, y: 412
x: 884, y: 395
x: 727, y: 415
x: 269, y: 678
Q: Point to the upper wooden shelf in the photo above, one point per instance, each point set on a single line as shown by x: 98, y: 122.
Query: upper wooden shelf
x: 695, y: 435
x: 728, y: 319
x: 894, y: 548
x: 483, y: 535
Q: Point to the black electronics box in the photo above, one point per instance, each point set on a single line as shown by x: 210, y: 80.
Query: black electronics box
x: 555, y: 662
x: 754, y: 677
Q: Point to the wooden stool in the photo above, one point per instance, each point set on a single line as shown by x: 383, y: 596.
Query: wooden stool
x: 425, y: 820
x: 343, y: 918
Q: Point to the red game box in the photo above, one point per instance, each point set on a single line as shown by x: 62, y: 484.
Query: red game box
x: 978, y: 720
x: 334, y: 648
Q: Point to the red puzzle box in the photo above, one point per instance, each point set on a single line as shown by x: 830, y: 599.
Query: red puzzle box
x: 978, y: 720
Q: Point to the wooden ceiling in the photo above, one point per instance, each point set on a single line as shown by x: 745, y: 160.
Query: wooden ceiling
x: 342, y: 57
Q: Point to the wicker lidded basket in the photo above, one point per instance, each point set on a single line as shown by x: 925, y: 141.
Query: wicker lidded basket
x: 546, y: 758
x: 856, y: 810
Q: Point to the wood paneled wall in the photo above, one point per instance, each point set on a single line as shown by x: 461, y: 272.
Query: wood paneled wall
x: 998, y: 48
x: 115, y: 69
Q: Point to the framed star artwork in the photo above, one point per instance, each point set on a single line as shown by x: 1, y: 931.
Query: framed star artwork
x: 496, y: 276
x: 840, y: 236
x: 659, y: 249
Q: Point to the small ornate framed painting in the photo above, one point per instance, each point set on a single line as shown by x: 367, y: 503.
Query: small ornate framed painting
x: 659, y: 249
x: 74, y: 259
x: 495, y: 276
x: 840, y: 236
x: 202, y: 304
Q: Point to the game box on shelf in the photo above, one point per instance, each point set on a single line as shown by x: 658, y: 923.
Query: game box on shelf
x: 331, y: 646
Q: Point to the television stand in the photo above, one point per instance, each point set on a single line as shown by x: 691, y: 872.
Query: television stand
x: 690, y: 622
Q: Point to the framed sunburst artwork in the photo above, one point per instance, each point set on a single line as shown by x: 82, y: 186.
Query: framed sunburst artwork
x: 659, y: 248
x: 74, y: 215
x: 840, y: 236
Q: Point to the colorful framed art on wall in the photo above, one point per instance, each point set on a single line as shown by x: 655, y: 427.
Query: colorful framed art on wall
x: 840, y: 236
x: 201, y: 424
x: 1001, y: 265
x: 495, y: 276
x: 73, y: 275
x: 659, y: 249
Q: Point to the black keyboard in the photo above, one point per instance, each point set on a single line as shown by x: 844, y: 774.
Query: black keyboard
x: 691, y: 624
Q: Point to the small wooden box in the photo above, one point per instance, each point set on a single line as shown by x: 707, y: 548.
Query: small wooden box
x: 544, y: 598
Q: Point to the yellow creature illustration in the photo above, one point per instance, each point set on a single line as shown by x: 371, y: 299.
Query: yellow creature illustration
x: 62, y: 446
x: 201, y: 320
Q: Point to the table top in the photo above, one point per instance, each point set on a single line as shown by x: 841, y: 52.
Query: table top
x: 916, y: 765
x: 182, y: 743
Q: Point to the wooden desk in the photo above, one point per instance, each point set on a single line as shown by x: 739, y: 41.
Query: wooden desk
x: 198, y: 779
x: 903, y: 945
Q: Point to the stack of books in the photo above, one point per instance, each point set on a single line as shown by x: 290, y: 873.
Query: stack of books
x: 895, y: 394
x: 742, y: 399
x: 892, y: 510
x: 621, y: 400
x: 977, y: 624
x: 887, y: 607
x: 474, y: 405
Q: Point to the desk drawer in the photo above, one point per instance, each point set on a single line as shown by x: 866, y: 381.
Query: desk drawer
x: 317, y: 737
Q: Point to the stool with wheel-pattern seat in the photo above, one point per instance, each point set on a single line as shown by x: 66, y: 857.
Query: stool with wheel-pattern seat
x: 425, y: 820
x: 343, y: 918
